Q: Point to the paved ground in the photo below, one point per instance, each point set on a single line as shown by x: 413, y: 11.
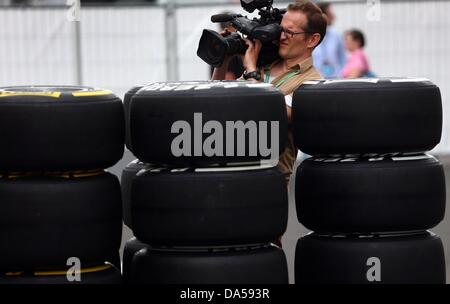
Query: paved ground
x: 296, y: 230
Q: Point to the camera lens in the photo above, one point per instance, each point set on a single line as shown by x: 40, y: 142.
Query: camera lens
x: 212, y: 48
x: 216, y: 47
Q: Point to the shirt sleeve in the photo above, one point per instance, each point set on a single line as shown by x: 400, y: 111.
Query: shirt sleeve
x: 355, y: 62
x: 288, y: 100
x: 318, y: 57
x: 342, y: 54
x: 358, y: 62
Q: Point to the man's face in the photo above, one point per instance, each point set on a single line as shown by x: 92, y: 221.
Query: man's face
x: 292, y: 47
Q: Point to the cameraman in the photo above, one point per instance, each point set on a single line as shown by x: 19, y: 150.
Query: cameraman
x: 304, y: 27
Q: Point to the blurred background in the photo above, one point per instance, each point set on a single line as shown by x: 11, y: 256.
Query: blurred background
x: 119, y: 43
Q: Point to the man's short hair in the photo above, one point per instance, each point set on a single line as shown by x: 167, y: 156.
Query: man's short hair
x: 316, y: 19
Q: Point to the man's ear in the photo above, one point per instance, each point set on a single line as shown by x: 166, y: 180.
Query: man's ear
x: 314, y: 40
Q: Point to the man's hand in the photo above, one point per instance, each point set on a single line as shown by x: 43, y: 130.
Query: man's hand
x: 250, y: 58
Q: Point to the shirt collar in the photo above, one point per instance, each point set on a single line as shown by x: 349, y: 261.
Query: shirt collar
x: 303, y: 66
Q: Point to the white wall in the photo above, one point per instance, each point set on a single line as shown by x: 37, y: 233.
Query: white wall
x: 125, y: 46
x: 121, y: 47
x: 411, y: 39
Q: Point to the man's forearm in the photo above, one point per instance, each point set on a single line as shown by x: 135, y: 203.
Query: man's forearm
x: 219, y: 73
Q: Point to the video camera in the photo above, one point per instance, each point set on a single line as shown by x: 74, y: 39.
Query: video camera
x: 213, y: 47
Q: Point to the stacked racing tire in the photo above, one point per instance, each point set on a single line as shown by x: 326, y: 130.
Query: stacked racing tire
x: 369, y: 192
x: 204, y: 205
x: 61, y: 211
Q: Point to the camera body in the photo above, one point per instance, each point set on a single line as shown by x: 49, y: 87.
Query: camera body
x: 213, y: 47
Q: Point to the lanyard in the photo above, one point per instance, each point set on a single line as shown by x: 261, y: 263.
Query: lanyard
x: 283, y: 80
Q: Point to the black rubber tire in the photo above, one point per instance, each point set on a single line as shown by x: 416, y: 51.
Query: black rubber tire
x: 45, y: 220
x: 110, y: 276
x: 389, y: 195
x: 128, y: 174
x: 245, y: 266
x: 154, y: 109
x: 132, y: 246
x: 216, y: 208
x: 41, y: 132
x: 126, y: 108
x: 357, y: 117
x: 411, y: 259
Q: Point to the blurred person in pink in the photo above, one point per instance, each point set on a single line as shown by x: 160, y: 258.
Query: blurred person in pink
x: 357, y: 63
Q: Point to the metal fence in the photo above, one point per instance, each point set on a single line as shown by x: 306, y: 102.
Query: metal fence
x: 117, y: 47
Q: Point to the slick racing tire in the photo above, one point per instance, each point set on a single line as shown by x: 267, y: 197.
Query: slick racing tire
x: 367, y: 116
x: 126, y: 107
x: 128, y: 174
x: 102, y: 274
x: 204, y: 123
x: 60, y: 128
x: 132, y: 246
x: 370, y: 195
x: 403, y: 259
x: 214, y: 206
x: 47, y: 219
x: 265, y: 265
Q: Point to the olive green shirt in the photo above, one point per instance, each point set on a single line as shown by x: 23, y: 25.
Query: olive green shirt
x: 306, y: 72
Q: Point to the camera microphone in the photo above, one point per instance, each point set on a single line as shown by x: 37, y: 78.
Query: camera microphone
x: 280, y: 11
x: 219, y: 18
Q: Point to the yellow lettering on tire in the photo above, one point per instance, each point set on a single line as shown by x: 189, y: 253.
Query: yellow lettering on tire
x: 40, y: 94
x: 91, y: 93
